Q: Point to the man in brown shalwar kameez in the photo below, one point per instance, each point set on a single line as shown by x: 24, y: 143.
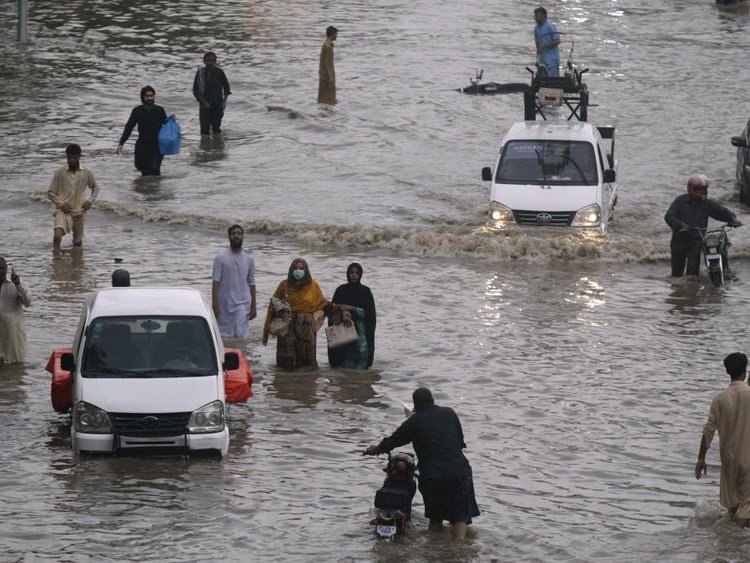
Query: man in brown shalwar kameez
x: 326, y: 73
x: 730, y: 417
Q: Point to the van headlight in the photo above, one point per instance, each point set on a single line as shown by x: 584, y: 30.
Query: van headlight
x: 209, y: 418
x: 589, y: 216
x: 500, y: 213
x: 91, y: 420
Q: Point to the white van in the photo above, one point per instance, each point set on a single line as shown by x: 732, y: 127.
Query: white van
x: 556, y: 174
x: 148, y: 374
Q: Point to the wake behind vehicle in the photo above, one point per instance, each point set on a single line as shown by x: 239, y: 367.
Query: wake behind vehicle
x: 148, y: 373
x: 716, y: 254
x: 393, y: 500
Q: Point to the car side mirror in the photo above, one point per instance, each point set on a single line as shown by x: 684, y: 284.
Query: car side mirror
x: 487, y: 173
x: 231, y: 361
x: 609, y: 176
x: 739, y: 142
x: 67, y: 363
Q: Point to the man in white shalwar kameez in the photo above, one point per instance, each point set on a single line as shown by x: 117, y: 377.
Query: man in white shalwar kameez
x: 233, y: 287
x: 13, y: 299
x: 730, y: 417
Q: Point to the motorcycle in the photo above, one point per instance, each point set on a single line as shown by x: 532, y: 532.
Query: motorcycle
x: 715, y: 254
x: 393, y: 500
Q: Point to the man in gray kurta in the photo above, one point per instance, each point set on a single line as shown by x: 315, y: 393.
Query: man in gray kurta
x: 233, y: 287
x: 730, y: 417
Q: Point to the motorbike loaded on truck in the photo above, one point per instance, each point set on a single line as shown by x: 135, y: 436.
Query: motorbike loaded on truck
x: 553, y: 172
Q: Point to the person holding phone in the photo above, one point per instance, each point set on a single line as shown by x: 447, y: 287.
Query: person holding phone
x: 13, y: 301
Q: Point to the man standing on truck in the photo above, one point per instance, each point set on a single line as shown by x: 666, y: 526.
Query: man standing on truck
x: 687, y: 215
x: 233, y: 287
x: 547, y: 41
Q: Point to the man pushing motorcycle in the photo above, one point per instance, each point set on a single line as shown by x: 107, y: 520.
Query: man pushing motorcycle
x: 445, y: 477
x: 687, y: 216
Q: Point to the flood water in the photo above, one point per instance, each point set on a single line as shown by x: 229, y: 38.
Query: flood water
x: 581, y: 372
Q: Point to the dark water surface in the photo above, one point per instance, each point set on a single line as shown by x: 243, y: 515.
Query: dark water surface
x: 581, y: 372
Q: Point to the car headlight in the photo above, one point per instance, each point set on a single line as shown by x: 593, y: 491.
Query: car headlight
x: 209, y: 418
x: 589, y: 216
x: 91, y: 420
x: 500, y: 213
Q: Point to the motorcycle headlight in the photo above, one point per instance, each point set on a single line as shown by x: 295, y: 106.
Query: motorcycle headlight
x: 501, y: 213
x: 589, y: 216
x: 91, y: 420
x: 209, y: 418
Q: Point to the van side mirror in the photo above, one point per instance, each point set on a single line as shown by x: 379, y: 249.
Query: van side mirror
x: 487, y: 173
x: 67, y: 362
x: 231, y: 361
x: 739, y: 142
x: 609, y: 176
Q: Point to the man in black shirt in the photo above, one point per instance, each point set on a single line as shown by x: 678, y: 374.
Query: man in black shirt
x: 688, y: 213
x: 211, y: 89
x: 149, y: 117
x: 445, y: 477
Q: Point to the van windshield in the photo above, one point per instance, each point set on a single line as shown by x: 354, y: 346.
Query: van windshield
x: 554, y: 163
x: 132, y: 347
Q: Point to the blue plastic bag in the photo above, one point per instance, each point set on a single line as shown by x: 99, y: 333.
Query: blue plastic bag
x: 169, y: 136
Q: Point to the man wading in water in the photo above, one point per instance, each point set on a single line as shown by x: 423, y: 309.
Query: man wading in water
x: 149, y: 117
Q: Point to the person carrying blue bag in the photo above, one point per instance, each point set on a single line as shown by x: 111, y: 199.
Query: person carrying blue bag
x: 149, y: 117
x: 169, y: 136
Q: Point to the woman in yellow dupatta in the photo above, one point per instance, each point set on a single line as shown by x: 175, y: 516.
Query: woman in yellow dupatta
x: 309, y: 308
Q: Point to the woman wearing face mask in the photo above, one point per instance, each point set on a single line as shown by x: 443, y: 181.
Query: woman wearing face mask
x: 309, y: 309
x: 358, y: 355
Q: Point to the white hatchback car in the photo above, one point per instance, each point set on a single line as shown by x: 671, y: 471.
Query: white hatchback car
x: 554, y: 174
x: 148, y: 374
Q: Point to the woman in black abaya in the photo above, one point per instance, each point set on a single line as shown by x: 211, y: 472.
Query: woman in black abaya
x: 358, y: 355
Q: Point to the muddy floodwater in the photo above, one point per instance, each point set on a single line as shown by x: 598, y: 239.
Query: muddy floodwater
x: 582, y: 373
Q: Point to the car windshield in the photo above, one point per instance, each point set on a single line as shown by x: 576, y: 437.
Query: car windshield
x: 554, y: 163
x: 142, y: 347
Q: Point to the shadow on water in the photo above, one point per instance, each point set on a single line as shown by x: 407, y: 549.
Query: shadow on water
x: 690, y: 295
x: 354, y: 386
x: 12, y: 392
x: 212, y: 148
x: 150, y: 186
x: 300, y: 387
x: 69, y: 267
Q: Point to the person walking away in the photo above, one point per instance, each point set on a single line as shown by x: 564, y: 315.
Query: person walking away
x: 687, y: 216
x: 149, y: 118
x: 326, y: 72
x: 66, y: 191
x: 120, y: 278
x: 547, y: 41
x: 730, y: 417
x: 360, y: 354
x: 13, y: 301
x: 211, y: 89
x: 445, y: 476
x: 298, y: 348
x: 233, y: 287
